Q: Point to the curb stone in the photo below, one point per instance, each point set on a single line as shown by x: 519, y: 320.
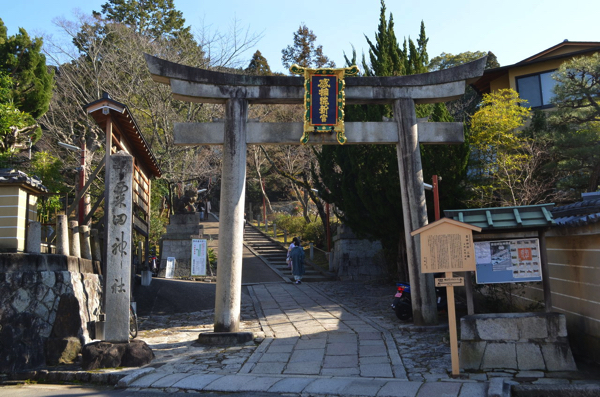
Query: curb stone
x: 497, y: 388
x: 129, y: 379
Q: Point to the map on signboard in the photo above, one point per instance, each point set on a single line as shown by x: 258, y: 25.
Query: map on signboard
x: 508, y: 261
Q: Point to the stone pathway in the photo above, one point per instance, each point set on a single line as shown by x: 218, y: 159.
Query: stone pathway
x: 309, y: 334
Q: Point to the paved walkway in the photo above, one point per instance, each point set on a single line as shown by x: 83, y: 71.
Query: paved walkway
x: 309, y: 334
x: 312, y: 345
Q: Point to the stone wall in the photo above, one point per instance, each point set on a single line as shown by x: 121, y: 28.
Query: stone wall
x: 45, y: 313
x: 357, y: 259
x: 515, y: 341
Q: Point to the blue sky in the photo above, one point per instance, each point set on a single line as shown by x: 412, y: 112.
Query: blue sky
x: 512, y: 29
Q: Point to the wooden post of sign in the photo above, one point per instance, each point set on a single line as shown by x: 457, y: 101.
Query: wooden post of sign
x: 452, y: 326
x: 447, y: 246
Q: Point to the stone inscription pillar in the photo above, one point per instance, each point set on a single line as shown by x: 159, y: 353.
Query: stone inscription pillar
x: 414, y: 209
x: 231, y: 218
x: 118, y: 247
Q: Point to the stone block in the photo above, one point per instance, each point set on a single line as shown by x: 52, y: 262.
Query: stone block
x: 540, y: 334
x: 471, y: 355
x: 500, y: 355
x: 529, y: 357
x: 468, y: 329
x: 341, y: 362
x: 557, y: 325
x: 558, y: 357
x: 497, y: 328
x: 534, y: 327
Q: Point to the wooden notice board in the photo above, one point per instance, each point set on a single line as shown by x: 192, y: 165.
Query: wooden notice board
x: 447, y: 246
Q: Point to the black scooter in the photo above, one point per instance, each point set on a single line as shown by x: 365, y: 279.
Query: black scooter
x: 402, y: 303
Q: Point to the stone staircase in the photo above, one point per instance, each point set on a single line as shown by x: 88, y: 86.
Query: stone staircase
x: 275, y: 253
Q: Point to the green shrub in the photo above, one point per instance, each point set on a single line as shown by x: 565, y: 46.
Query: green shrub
x: 296, y: 225
x: 282, y: 220
x: 315, y: 233
x: 212, y: 260
x: 293, y: 224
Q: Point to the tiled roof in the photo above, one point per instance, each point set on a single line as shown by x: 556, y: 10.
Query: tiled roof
x: 519, y: 217
x: 578, y: 214
x: 13, y: 176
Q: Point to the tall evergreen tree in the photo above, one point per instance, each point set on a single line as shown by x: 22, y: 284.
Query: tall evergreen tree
x: 25, y: 88
x: 22, y: 60
x: 156, y: 18
x: 386, y: 57
x: 304, y: 52
x: 259, y: 65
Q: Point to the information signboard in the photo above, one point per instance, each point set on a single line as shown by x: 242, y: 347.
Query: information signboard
x: 508, y: 261
x: 447, y: 246
x: 170, y: 269
x: 198, y: 257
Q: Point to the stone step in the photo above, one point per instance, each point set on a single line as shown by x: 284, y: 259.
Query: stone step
x: 276, y: 255
x: 268, y: 249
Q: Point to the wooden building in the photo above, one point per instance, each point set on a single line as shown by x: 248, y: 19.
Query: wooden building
x: 18, y: 196
x: 123, y: 134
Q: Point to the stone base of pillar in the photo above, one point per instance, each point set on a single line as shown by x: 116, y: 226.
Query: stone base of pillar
x: 225, y: 338
x: 97, y: 355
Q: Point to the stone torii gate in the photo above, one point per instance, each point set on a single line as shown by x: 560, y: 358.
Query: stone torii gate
x: 405, y: 131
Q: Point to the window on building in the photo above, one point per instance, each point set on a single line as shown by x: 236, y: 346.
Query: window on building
x: 536, y: 89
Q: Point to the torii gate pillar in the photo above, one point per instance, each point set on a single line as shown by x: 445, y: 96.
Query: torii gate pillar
x: 231, y: 217
x: 415, y: 212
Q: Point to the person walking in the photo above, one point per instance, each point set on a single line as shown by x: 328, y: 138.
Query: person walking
x: 297, y: 256
x: 288, y: 258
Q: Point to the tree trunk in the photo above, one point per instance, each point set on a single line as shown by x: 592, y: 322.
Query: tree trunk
x: 594, y: 179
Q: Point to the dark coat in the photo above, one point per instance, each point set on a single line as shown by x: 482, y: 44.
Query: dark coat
x: 297, y: 256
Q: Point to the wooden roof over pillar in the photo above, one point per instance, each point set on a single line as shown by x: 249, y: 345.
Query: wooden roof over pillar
x: 101, y: 109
